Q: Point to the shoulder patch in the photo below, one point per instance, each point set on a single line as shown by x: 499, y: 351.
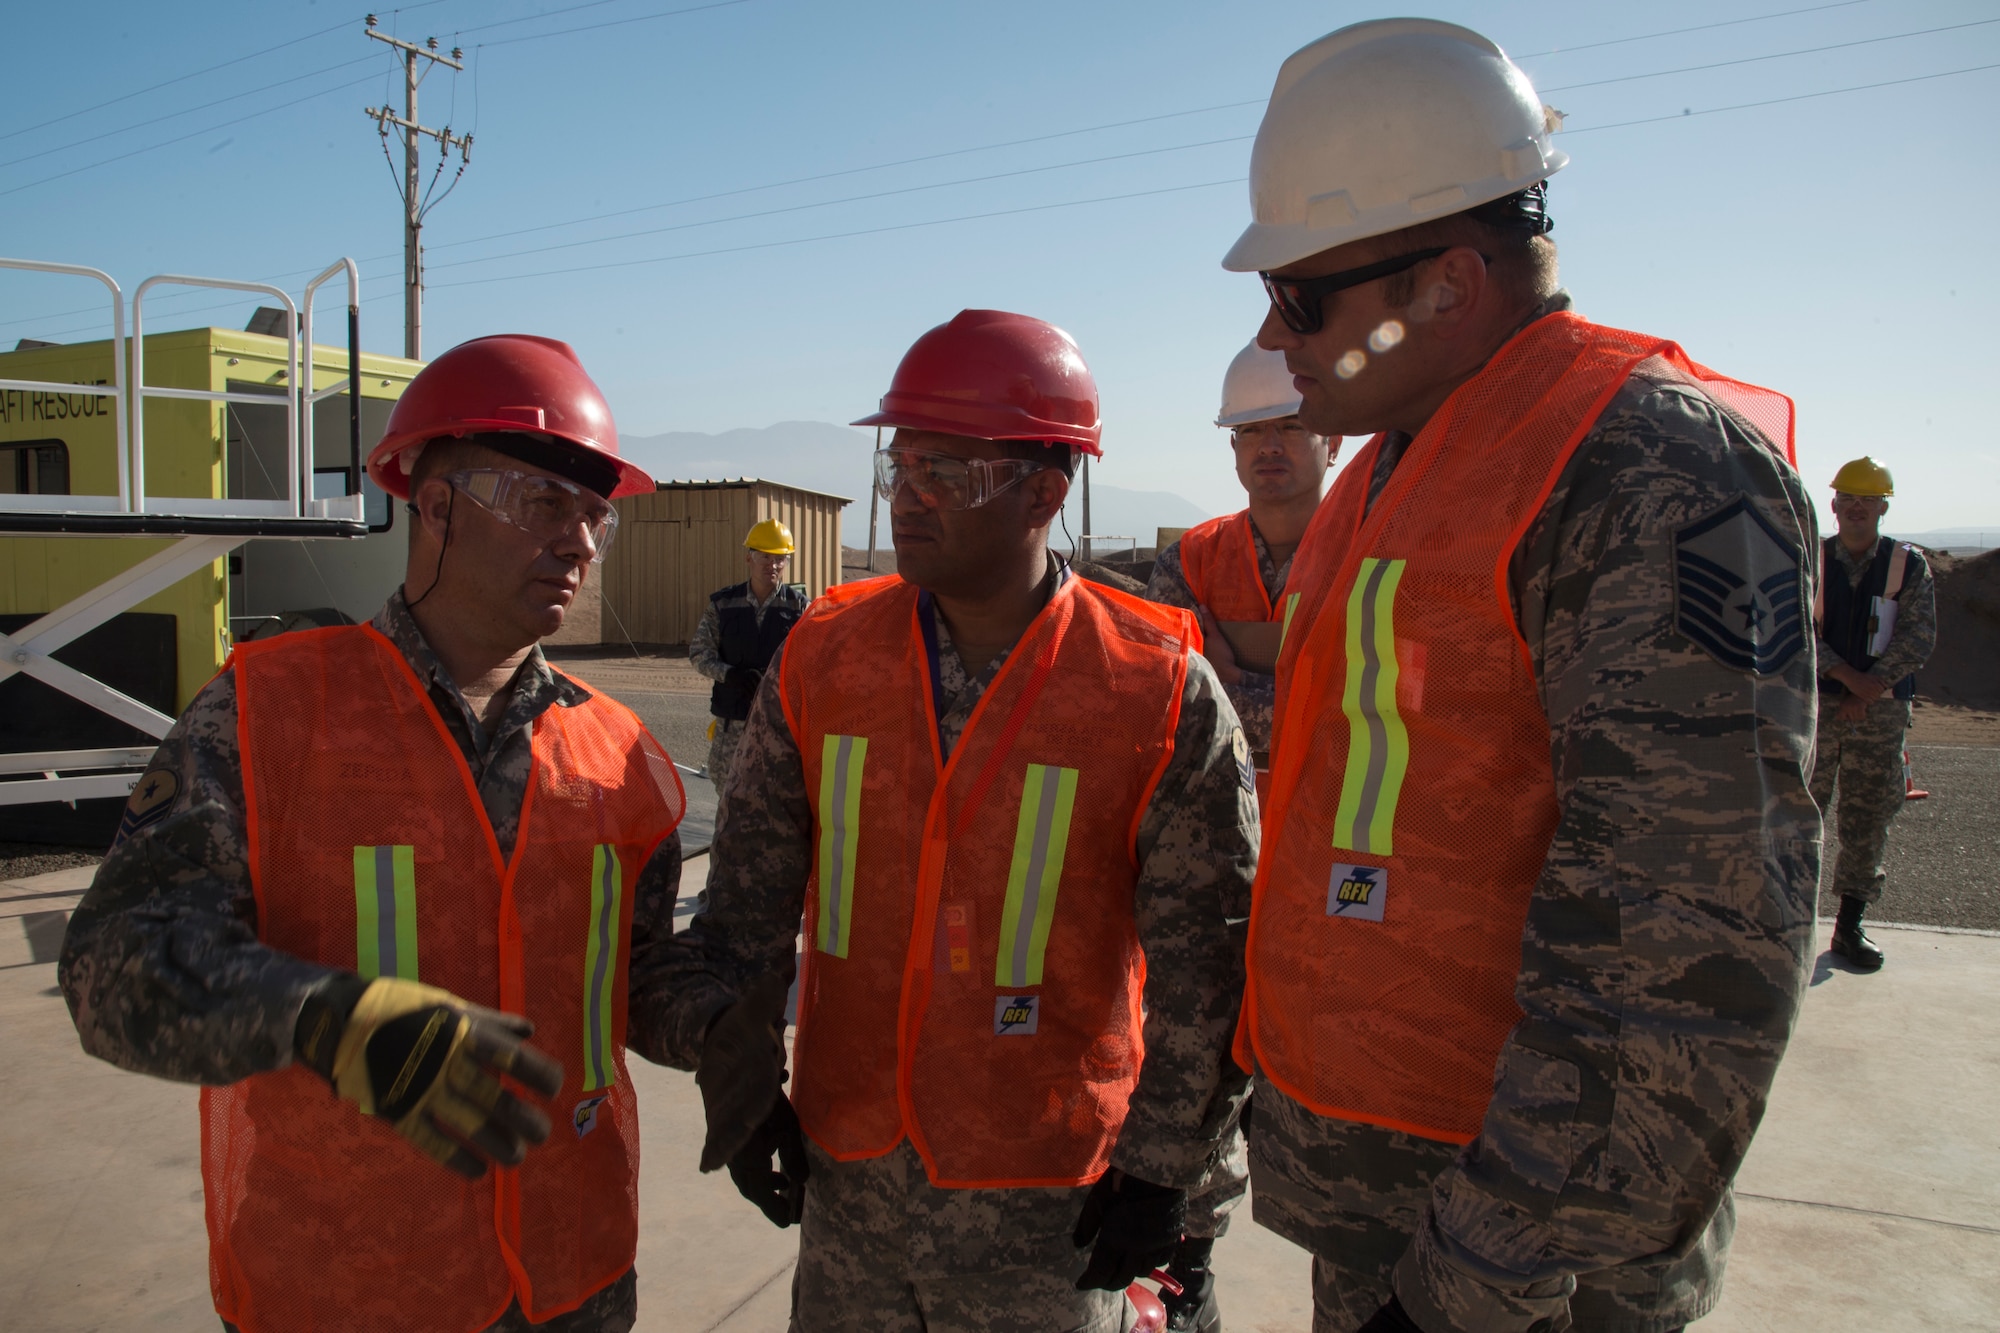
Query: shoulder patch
x: 152, y: 797
x: 1246, y: 766
x: 1737, y: 589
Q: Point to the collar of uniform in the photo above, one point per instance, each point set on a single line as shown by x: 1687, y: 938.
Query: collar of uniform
x: 536, y: 685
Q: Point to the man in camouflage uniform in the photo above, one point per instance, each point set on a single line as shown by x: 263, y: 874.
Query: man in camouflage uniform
x: 883, y: 1246
x: 1877, y: 621
x: 1665, y: 934
x: 1282, y: 465
x: 736, y: 657
x: 164, y: 967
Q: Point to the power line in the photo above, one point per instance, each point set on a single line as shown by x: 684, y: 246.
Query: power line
x: 613, y: 23
x: 191, y: 134
x: 843, y: 235
x: 849, y: 199
x: 1776, y: 101
x: 171, y: 115
x: 1779, y: 55
x: 1699, y: 27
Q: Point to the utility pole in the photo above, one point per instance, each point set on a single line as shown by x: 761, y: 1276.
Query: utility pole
x: 416, y: 204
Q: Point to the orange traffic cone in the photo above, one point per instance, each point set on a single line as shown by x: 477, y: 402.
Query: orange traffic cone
x: 1911, y: 791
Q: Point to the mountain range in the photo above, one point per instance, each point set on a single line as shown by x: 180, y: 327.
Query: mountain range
x: 820, y: 456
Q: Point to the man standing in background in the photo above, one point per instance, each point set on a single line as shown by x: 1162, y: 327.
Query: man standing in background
x: 1877, y: 619
x: 738, y: 635
x: 1232, y: 570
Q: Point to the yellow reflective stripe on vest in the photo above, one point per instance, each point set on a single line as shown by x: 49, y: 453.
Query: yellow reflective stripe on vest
x: 1041, y: 837
x: 600, y: 968
x: 1291, y: 605
x: 840, y: 765
x: 1378, y: 745
x: 385, y: 912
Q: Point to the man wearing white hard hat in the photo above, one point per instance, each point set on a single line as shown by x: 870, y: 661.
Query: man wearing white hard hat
x: 1536, y: 891
x: 1231, y: 571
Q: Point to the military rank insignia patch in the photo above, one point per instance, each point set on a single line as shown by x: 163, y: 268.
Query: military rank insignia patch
x: 1739, y: 589
x: 585, y: 1115
x: 152, y: 797
x: 1357, y: 892
x: 1016, y: 1015
x: 1246, y: 766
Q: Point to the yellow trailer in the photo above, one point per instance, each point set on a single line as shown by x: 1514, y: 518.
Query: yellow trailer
x: 162, y: 495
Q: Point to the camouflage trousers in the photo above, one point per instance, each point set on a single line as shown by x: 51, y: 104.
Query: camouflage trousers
x: 882, y: 1250
x: 722, y: 753
x: 1354, y: 1195
x: 1861, y: 765
x: 612, y: 1310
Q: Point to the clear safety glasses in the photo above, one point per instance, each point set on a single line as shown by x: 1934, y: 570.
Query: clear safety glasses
x: 945, y: 482
x: 544, y: 507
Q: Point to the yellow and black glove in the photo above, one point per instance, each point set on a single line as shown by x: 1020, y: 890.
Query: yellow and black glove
x: 431, y: 1064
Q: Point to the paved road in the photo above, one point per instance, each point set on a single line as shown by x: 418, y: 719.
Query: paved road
x: 1944, y: 853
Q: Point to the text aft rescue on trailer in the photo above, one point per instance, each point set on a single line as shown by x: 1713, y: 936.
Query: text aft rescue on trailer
x: 161, y: 496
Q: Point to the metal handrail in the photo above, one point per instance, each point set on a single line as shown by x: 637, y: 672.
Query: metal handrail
x: 117, y: 394
x: 297, y: 475
x: 353, y: 386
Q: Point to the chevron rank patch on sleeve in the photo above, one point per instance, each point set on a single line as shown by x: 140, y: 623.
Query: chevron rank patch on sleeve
x: 1738, y: 589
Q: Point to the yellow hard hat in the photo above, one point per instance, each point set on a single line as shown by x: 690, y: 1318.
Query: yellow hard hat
x: 771, y: 537
x: 1864, y: 476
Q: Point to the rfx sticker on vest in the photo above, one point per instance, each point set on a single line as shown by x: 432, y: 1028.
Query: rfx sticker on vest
x: 1016, y: 1015
x: 584, y: 1117
x: 1357, y: 892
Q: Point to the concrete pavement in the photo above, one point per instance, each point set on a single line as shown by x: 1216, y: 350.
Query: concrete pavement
x: 1871, y: 1198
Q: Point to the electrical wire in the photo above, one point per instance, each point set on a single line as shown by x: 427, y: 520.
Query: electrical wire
x: 848, y: 199
x: 1779, y: 55
x: 615, y: 23
x: 1699, y: 27
x: 1776, y: 101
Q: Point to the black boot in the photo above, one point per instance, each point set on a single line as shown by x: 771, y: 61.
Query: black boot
x: 1194, y: 1310
x: 1851, y: 942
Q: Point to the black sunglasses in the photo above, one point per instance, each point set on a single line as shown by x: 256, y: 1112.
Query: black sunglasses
x: 1299, y: 300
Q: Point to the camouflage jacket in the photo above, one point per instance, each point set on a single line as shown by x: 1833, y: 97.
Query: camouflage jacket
x: 162, y: 966
x: 705, y: 648
x: 1664, y: 954
x: 1255, y: 694
x: 1915, y: 634
x: 1197, y: 849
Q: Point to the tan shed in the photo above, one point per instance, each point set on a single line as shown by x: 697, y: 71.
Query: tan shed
x: 685, y: 540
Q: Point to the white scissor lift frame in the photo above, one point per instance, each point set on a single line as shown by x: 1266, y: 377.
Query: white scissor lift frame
x: 204, y: 529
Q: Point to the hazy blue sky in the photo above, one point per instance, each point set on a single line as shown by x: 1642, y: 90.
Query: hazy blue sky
x: 1834, y: 247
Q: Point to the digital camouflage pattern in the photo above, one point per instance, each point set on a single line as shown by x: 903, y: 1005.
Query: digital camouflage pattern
x: 1197, y: 845
x: 705, y: 656
x: 1666, y: 943
x: 162, y: 967
x: 1860, y: 766
x: 1862, y: 760
x: 1255, y: 695
x: 884, y: 1249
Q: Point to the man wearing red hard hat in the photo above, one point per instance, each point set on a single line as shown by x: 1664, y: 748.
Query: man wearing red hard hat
x: 1015, y: 809
x: 371, y: 861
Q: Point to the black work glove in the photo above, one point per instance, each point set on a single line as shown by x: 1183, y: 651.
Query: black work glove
x: 1136, y: 1225
x: 430, y: 1063
x: 742, y: 1066
x: 1391, y: 1318
x: 743, y: 678
x: 780, y: 1194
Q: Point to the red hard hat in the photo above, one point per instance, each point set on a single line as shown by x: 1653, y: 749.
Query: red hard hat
x: 995, y: 376
x: 509, y: 382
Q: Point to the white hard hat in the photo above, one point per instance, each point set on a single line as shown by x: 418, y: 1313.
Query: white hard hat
x: 1383, y: 125
x: 1258, y: 387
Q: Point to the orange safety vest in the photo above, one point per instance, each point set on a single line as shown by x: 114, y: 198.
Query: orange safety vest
x: 1219, y: 562
x: 370, y: 850
x: 972, y: 970
x: 1413, y: 798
